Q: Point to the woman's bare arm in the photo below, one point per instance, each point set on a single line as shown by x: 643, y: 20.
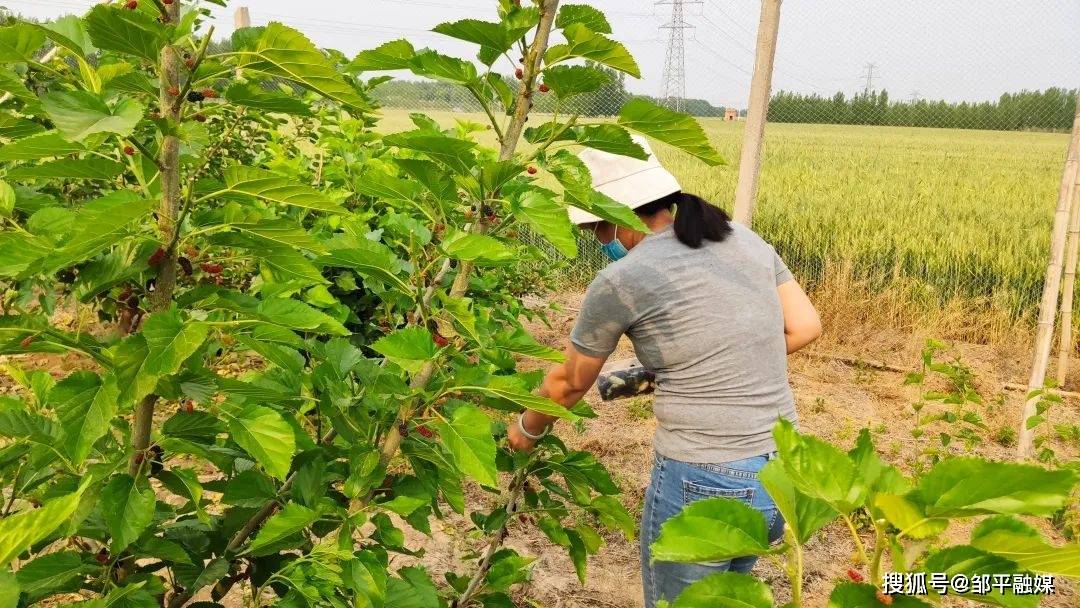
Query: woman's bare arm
x: 802, y: 325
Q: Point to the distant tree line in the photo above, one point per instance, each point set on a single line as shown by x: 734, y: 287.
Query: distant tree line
x: 606, y: 101
x: 1049, y: 110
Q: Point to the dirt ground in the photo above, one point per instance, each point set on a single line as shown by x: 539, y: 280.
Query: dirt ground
x: 834, y: 400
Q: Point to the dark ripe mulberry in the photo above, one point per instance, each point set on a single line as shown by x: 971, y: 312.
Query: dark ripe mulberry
x: 129, y: 150
x: 195, y: 96
x: 157, y: 455
x: 544, y: 88
x: 403, y: 429
x: 532, y: 170
x: 185, y: 264
x: 519, y: 73
x: 66, y: 276
x: 102, y: 557
x: 133, y: 302
x: 157, y: 258
x: 200, y: 118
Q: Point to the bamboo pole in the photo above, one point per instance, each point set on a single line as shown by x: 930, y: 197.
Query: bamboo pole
x: 760, y: 92
x: 1068, y: 288
x: 1051, y: 287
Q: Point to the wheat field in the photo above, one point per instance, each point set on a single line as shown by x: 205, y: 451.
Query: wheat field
x: 928, y: 217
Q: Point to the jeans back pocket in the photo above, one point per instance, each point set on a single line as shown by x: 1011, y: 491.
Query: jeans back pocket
x: 694, y: 491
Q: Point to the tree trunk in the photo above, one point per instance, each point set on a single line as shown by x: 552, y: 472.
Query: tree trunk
x: 1051, y: 286
x: 1067, y: 288
x: 168, y: 210
x: 754, y: 132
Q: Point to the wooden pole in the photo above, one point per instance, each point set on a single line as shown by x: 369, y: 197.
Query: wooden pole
x: 1068, y: 287
x: 242, y: 18
x: 1051, y: 286
x: 760, y: 93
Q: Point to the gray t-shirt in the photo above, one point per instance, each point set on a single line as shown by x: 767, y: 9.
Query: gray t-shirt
x: 708, y: 322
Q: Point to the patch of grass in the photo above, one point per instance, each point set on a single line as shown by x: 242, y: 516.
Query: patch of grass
x: 640, y: 408
x: 1005, y: 436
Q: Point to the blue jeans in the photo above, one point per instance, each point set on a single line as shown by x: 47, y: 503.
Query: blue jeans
x: 676, y: 484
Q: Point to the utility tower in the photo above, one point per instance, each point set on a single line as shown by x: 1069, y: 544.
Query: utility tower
x: 870, y: 67
x: 673, y: 92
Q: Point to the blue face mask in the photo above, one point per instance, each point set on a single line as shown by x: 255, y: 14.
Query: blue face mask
x: 614, y: 250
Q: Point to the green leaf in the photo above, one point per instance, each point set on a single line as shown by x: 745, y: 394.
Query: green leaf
x: 128, y: 510
x: 585, y: 43
x: 1014, y: 540
x: 909, y: 517
x: 962, y: 487
x: 413, y: 590
x: 379, y: 184
x: 393, y: 55
x: 584, y: 14
x: 98, y: 225
x: 297, y: 315
x: 9, y: 590
x: 257, y: 98
x: 368, y: 258
x: 286, y: 53
x: 485, y: 33
x: 264, y: 434
x: 726, y: 590
x: 19, y: 43
x: 36, y: 147
x: 171, y: 341
x: 112, y: 28
x: 576, y: 181
x: 185, y: 484
x: 129, y: 357
x: 712, y: 530
x: 468, y: 438
x: 86, y: 416
x: 969, y: 561
x: 283, y: 232
x: 520, y: 342
x: 456, y: 154
x: 803, y: 514
x: 70, y: 33
x: 820, y: 470
x: 7, y: 199
x: 522, y: 399
x: 614, y: 515
x: 92, y: 168
x: 22, y: 530
x: 853, y: 595
x: 609, y: 138
x: 291, y: 520
x: 547, y: 217
x: 674, y: 128
x: 15, y: 127
x: 249, y: 489
x: 477, y: 248
x: 444, y: 68
x: 275, y: 188
x: 409, y: 348
x: 79, y: 113
x: 60, y: 572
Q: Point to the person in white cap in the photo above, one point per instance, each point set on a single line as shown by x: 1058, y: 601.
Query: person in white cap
x: 712, y: 311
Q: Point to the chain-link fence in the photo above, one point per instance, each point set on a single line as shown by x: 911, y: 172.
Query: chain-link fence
x: 915, y: 144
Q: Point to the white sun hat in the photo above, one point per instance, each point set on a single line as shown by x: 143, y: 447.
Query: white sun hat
x: 628, y: 181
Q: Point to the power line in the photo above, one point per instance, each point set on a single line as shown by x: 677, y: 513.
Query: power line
x: 869, y: 78
x: 674, y: 89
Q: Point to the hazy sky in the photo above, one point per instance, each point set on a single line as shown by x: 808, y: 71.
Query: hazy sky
x: 951, y: 49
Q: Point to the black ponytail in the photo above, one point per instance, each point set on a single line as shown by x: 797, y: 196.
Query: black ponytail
x: 695, y: 219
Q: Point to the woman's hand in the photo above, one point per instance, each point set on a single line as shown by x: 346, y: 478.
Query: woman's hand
x: 518, y: 441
